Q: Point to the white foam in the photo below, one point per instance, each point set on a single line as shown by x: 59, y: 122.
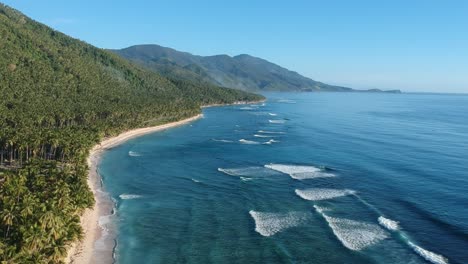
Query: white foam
x: 246, y: 171
x: 268, y: 224
x: 270, y: 132
x: 105, y: 223
x: 104, y: 220
x: 321, y: 209
x: 355, y: 235
x: 318, y: 194
x: 300, y: 172
x: 247, y: 108
x: 248, y: 142
x: 277, y: 121
x: 129, y: 196
x: 222, y: 140
x: 428, y: 255
x: 134, y: 154
x: 195, y: 180
x: 272, y: 114
x: 245, y: 179
x: 263, y: 136
x: 388, y: 223
x: 286, y: 101
x: 271, y: 141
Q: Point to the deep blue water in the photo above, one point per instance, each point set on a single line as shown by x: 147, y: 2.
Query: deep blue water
x: 338, y: 162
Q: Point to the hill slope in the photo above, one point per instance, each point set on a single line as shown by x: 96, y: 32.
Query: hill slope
x: 59, y: 97
x: 243, y: 72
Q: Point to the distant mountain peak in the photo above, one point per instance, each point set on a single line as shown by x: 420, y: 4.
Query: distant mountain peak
x: 243, y: 71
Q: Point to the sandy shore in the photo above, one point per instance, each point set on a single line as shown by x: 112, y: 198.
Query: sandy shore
x: 87, y: 251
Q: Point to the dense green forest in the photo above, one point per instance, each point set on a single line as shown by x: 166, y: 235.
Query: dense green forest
x: 59, y: 97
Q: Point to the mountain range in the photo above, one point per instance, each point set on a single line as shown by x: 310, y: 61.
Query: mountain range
x: 242, y: 72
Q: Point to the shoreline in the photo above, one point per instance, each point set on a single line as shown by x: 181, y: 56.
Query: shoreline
x: 84, y: 251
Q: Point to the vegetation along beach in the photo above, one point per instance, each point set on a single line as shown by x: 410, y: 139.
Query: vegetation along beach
x: 252, y: 132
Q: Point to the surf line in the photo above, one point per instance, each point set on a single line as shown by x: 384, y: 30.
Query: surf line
x: 393, y: 226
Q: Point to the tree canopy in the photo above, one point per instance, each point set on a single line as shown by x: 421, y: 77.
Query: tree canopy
x: 59, y: 97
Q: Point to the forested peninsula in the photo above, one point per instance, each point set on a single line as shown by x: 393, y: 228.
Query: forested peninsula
x: 60, y: 97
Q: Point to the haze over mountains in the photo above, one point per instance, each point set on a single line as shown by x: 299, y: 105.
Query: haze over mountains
x: 243, y: 72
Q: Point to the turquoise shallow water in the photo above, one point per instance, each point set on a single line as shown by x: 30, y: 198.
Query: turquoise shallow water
x: 304, y: 178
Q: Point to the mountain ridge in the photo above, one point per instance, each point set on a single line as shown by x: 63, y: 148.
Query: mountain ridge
x: 243, y: 71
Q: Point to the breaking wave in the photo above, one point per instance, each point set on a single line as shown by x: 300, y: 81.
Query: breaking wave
x: 222, y: 140
x: 428, y: 255
x: 287, y: 101
x: 271, y: 132
x: 300, y: 172
x: 321, y: 209
x: 263, y: 136
x: 129, y: 196
x: 134, y: 154
x: 271, y: 141
x: 246, y: 171
x: 353, y: 234
x: 268, y: 224
x: 388, y: 223
x: 195, y: 180
x: 248, y: 142
x: 277, y: 121
x: 272, y: 114
x: 318, y: 194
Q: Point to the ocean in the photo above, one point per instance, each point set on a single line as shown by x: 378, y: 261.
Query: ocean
x: 301, y: 178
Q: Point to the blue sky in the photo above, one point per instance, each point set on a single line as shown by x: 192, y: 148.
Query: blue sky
x: 410, y: 45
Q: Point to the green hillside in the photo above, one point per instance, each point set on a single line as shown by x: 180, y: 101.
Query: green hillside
x: 243, y: 72
x: 59, y: 97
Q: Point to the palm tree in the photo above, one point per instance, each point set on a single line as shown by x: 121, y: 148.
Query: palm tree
x: 8, y: 218
x: 33, y: 238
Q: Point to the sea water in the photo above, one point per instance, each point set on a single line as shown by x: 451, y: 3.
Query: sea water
x: 302, y: 178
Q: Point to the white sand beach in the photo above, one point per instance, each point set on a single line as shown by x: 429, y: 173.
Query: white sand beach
x: 84, y: 251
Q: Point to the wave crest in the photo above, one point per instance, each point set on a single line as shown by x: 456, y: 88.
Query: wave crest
x: 245, y: 179
x: 321, y: 209
x: 222, y: 140
x: 287, y: 101
x: 389, y: 223
x: 355, y: 235
x: 271, y: 141
x: 271, y: 132
x: 300, y: 172
x: 129, y: 196
x: 268, y: 224
x: 134, y: 154
x: 264, y: 136
x: 246, y: 171
x: 277, y: 121
x: 248, y: 142
x: 318, y: 194
x: 428, y: 255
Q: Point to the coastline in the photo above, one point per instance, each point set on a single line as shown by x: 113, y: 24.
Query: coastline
x: 83, y: 251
